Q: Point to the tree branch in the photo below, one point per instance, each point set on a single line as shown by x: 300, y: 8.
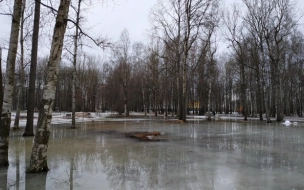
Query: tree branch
x: 47, y: 6
x: 98, y: 42
x: 6, y: 14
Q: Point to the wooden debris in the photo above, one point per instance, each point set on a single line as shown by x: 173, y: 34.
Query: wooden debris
x: 147, y: 136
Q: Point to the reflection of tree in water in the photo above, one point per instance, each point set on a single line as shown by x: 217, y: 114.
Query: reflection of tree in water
x: 132, y: 167
x: 17, y: 162
x: 67, y: 179
x: 19, y: 152
x: 268, y: 148
x: 78, y: 155
x: 129, y: 164
x: 3, y: 179
x: 64, y: 151
x: 148, y: 166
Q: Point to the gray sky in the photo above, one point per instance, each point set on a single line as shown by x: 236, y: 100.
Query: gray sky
x: 133, y: 15
x: 109, y: 20
x: 130, y: 14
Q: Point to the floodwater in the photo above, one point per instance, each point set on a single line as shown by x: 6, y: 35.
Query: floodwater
x: 197, y: 155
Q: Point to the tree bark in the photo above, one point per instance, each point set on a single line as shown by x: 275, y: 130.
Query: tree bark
x: 184, y: 86
x: 17, y: 117
x: 9, y: 84
x: 74, y: 66
x: 243, y: 88
x: 21, y: 69
x: 31, y: 92
x: 209, y: 101
x: 38, y: 162
x: 1, y: 83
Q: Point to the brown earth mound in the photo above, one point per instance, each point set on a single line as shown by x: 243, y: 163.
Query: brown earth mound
x: 147, y: 136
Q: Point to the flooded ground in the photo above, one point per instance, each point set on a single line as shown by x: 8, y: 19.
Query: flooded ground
x: 197, y: 155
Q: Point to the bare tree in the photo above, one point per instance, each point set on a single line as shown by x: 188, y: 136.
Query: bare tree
x: 21, y: 73
x: 181, y: 22
x: 79, y: 32
x: 153, y: 67
x: 270, y: 23
x: 38, y: 162
x: 9, y: 83
x: 167, y: 18
x: 276, y: 32
x: 124, y: 67
x: 76, y: 37
x: 31, y: 91
x: 236, y: 38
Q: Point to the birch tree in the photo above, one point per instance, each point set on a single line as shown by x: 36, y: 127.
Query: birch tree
x: 270, y: 24
x: 181, y: 23
x: 124, y: 68
x: 20, y: 82
x: 236, y: 38
x: 278, y: 28
x: 79, y: 32
x: 38, y: 162
x: 167, y: 19
x: 255, y: 24
x: 9, y: 84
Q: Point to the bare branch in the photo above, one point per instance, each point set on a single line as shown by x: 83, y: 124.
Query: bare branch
x: 6, y: 14
x: 103, y: 43
x: 50, y: 7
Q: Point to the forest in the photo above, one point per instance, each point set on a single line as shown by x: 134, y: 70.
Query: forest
x: 180, y: 68
x: 183, y: 68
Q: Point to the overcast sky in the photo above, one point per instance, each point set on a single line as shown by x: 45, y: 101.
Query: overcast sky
x: 129, y: 14
x: 109, y: 20
x: 133, y: 15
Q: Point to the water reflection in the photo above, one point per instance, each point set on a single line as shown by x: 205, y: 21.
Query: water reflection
x: 198, y: 155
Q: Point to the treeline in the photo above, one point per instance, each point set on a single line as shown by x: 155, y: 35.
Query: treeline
x: 182, y: 68
x: 145, y: 79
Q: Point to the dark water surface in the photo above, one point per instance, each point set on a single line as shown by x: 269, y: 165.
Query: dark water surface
x: 197, y: 155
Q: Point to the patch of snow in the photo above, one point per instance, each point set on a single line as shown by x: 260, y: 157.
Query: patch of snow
x: 287, y: 123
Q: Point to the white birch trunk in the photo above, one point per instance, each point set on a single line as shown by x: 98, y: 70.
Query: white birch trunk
x: 17, y: 117
x: 9, y: 84
x: 38, y: 162
x: 21, y: 78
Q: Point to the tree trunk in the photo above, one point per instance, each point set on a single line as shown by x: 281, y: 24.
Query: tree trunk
x: 155, y: 102
x: 264, y: 87
x: 17, y: 117
x: 278, y: 98
x: 38, y: 162
x: 21, y: 70
x: 1, y: 83
x: 9, y: 84
x: 144, y: 101
x: 126, y: 112
x: 260, y: 102
x: 32, y: 77
x: 125, y: 107
x: 265, y: 95
x: 74, y: 66
x: 184, y: 89
x: 243, y: 84
x: 209, y: 101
